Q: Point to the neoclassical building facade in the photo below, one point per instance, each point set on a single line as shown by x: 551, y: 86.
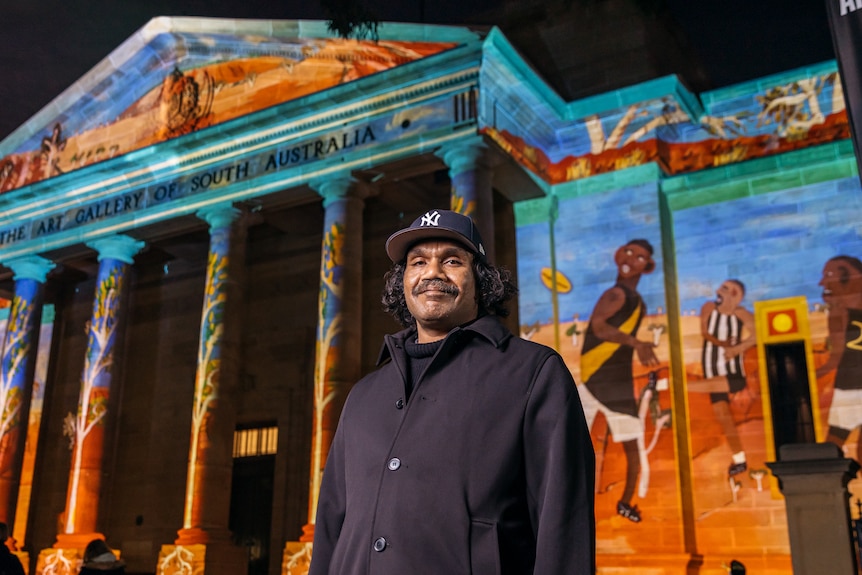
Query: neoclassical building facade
x: 192, y: 247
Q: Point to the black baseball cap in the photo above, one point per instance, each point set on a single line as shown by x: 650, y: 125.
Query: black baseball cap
x: 436, y: 224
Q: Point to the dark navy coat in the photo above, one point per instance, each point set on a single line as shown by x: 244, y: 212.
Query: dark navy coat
x: 487, y: 469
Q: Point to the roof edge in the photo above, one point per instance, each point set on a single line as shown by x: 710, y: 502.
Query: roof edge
x: 305, y: 29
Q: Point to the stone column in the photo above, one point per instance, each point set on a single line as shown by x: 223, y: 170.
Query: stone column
x: 813, y: 478
x: 17, y: 366
x: 116, y: 254
x: 471, y: 192
x: 338, y: 347
x: 203, y: 544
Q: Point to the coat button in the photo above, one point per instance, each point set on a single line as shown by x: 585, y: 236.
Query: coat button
x: 380, y: 544
x: 399, y: 404
x: 394, y: 464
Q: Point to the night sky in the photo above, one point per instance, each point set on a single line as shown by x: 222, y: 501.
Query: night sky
x: 45, y: 46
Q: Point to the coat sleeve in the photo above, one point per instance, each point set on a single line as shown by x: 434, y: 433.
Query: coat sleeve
x: 17, y: 566
x: 560, y: 471
x: 331, y: 506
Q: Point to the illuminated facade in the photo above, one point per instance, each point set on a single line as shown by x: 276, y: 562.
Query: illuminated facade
x: 205, y: 211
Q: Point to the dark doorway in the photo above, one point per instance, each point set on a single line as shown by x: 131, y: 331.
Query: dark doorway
x: 251, y: 509
x: 789, y: 394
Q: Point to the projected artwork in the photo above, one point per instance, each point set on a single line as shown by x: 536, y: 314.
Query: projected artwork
x: 87, y: 427
x: 765, y: 121
x: 208, y: 373
x: 204, y: 80
x: 34, y: 419
x: 607, y: 314
x: 327, y: 343
x: 752, y: 239
x: 611, y: 306
x: 610, y: 345
x: 652, y: 227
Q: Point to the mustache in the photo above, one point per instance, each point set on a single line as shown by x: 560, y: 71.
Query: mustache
x: 437, y: 285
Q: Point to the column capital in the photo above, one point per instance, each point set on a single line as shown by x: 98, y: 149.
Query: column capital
x: 30, y: 268
x: 340, y: 186
x: 219, y: 216
x: 119, y: 247
x: 463, y: 155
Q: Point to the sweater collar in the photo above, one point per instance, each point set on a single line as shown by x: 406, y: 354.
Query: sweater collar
x: 486, y: 326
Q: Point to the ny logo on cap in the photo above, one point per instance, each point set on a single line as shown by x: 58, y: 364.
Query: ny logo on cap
x: 430, y: 218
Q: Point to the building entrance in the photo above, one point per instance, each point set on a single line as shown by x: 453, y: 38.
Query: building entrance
x: 251, y: 495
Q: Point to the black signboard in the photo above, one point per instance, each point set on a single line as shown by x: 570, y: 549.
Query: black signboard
x: 845, y: 21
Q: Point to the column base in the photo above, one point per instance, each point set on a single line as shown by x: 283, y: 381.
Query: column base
x: 203, y: 559
x: 76, y: 540
x: 296, y: 558
x: 201, y: 536
x: 67, y: 554
x: 307, y: 533
x: 59, y: 561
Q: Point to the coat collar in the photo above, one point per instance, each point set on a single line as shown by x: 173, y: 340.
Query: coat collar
x: 486, y: 326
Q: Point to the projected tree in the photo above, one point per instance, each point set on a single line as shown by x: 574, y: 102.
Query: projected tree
x: 209, y: 363
x: 95, y: 381
x: 329, y: 326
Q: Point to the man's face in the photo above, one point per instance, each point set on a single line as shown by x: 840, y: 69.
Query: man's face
x: 729, y: 292
x: 633, y: 261
x: 840, y: 282
x: 439, y: 287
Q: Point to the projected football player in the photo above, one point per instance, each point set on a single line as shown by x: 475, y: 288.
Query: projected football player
x: 842, y: 292
x: 727, y: 330
x: 610, y: 343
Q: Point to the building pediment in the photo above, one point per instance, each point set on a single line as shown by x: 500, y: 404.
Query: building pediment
x: 176, y: 76
x: 193, y: 111
x: 190, y: 112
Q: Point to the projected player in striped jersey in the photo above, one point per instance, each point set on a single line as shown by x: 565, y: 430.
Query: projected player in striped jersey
x: 727, y: 329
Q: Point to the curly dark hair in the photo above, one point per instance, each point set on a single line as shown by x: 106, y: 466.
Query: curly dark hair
x: 494, y: 287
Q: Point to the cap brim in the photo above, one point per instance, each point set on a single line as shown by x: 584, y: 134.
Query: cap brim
x: 400, y: 242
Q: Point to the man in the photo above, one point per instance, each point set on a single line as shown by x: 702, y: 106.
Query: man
x: 842, y: 292
x: 606, y: 362
x: 727, y: 329
x: 466, y: 451
x: 9, y: 563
